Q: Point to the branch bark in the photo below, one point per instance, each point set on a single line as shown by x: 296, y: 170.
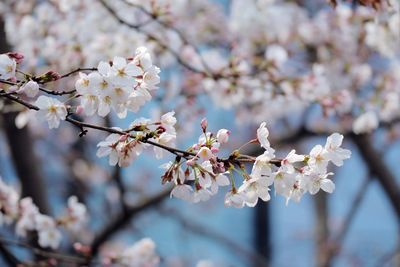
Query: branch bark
x: 322, y: 230
x: 22, y: 152
x: 379, y: 169
x: 262, y: 233
x: 124, y: 218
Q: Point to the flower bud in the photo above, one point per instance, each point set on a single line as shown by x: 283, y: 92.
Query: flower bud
x: 31, y: 89
x: 18, y: 57
x: 223, y: 136
x: 49, y: 77
x: 79, y: 110
x: 123, y: 138
x: 214, y: 150
x: 204, y: 124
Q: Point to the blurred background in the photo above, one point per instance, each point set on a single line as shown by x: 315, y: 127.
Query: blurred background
x: 357, y: 225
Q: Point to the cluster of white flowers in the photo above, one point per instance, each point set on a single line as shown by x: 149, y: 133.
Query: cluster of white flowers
x: 295, y: 175
x: 28, y: 218
x: 204, y: 169
x: 8, y: 68
x: 282, y: 55
x: 123, y: 149
x: 120, y: 86
x: 292, y: 176
x: 307, y: 60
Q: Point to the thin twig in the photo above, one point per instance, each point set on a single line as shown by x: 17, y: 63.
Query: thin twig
x: 43, y: 253
x: 153, y: 37
x: 50, y: 92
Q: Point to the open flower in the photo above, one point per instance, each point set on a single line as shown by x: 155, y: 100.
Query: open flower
x: 108, y: 147
x: 31, y: 89
x: 262, y: 136
x: 7, y: 67
x: 335, y: 153
x: 51, y: 110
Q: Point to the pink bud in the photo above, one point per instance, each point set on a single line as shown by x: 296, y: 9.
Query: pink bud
x: 223, y: 136
x: 79, y: 110
x: 52, y: 75
x: 195, y: 146
x: 77, y: 246
x: 191, y: 162
x: 214, y: 150
x: 204, y: 124
x: 205, y: 153
x: 18, y: 57
x: 123, y: 138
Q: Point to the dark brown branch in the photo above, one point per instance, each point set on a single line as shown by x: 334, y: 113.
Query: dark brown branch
x: 152, y: 37
x: 262, y: 233
x: 50, y: 92
x: 251, y: 256
x: 183, y: 38
x: 19, y: 100
x: 379, y: 169
x: 44, y: 253
x: 72, y: 72
x: 338, y: 240
x: 176, y: 151
x: 8, y: 257
x: 124, y: 218
x: 22, y: 147
x: 322, y: 230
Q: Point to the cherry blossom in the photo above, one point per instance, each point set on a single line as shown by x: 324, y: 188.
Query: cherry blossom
x: 365, y: 123
x: 140, y: 254
x: 28, y: 218
x: 51, y: 110
x: 31, y: 89
x: 7, y: 67
x: 223, y: 136
x: 234, y: 199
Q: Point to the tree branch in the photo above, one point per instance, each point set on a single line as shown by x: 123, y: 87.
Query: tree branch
x: 251, y: 256
x: 153, y: 37
x: 378, y: 167
x: 124, y: 218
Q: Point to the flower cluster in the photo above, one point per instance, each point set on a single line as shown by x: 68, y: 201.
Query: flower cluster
x: 124, y: 148
x: 292, y: 176
x: 125, y: 85
x: 204, y: 168
x: 120, y: 86
x: 28, y: 218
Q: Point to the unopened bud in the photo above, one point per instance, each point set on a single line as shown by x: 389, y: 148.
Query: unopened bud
x: 18, y: 57
x: 123, y: 138
x: 214, y: 150
x: 79, y: 110
x: 223, y: 136
x: 204, y: 124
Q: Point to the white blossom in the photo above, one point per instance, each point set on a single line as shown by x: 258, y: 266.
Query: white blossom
x: 51, y: 110
x: 7, y: 67
x: 31, y: 89
x: 365, y: 123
